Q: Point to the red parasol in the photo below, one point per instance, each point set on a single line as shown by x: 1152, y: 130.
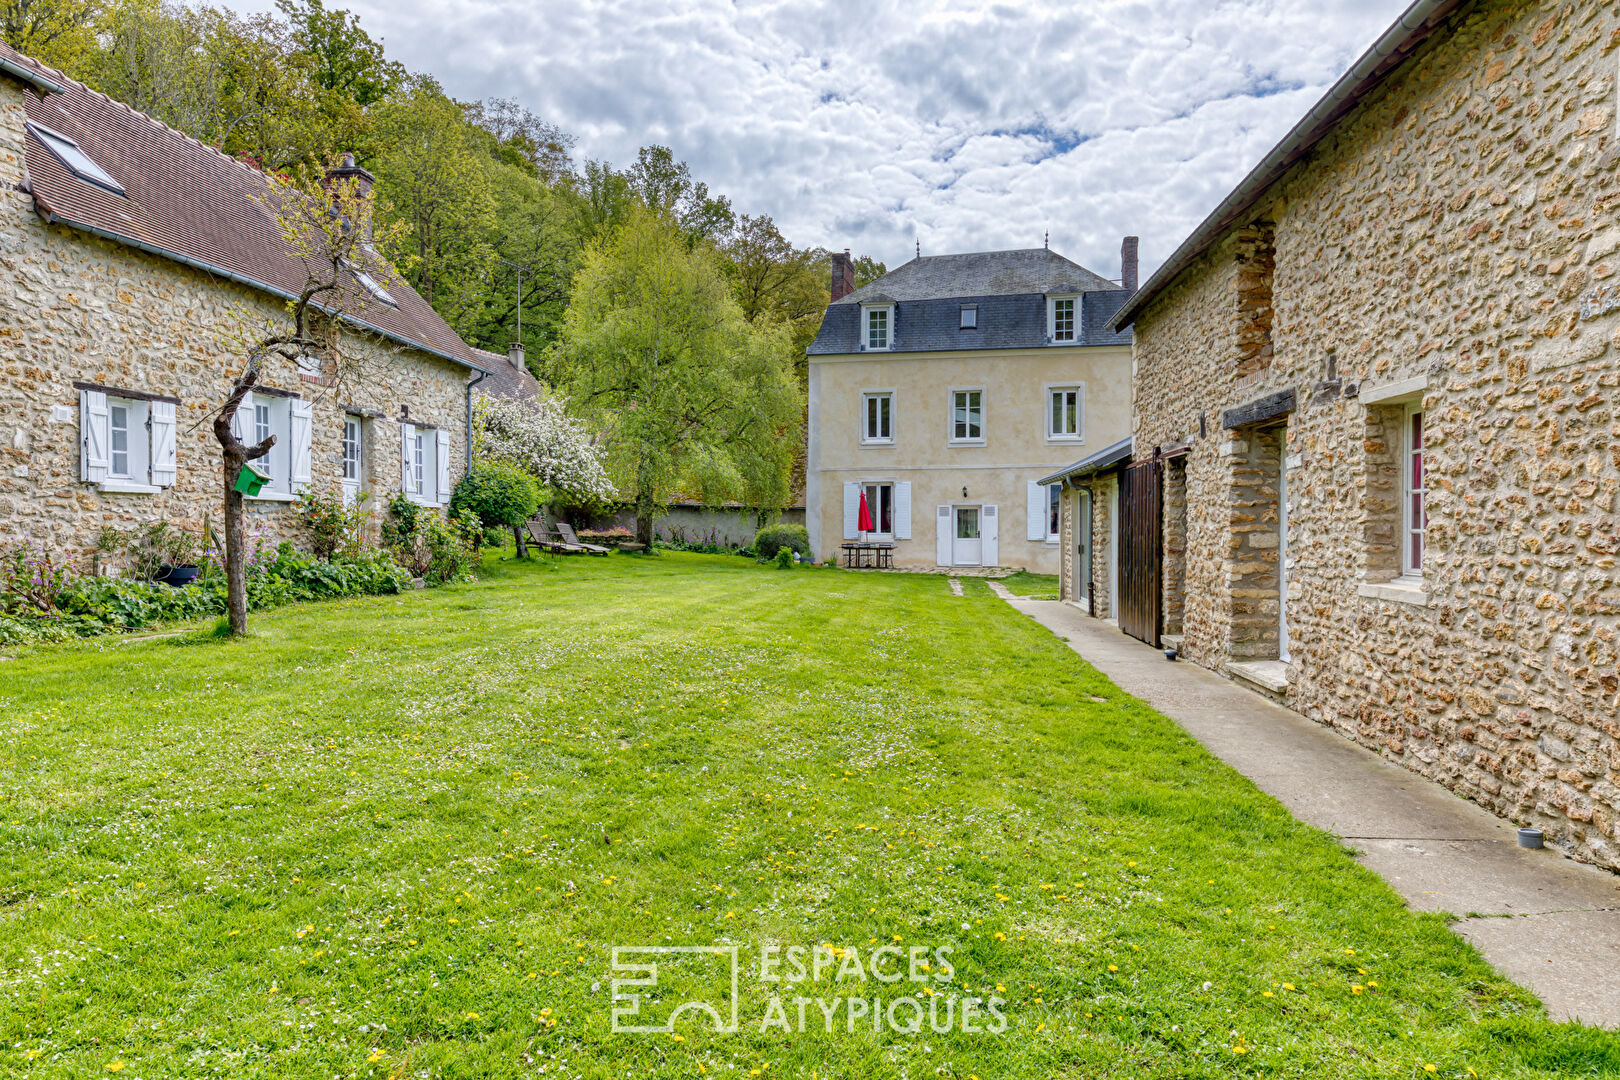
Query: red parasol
x: 866, y: 514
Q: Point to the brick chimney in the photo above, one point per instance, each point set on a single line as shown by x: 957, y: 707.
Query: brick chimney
x: 843, y: 275
x: 348, y: 170
x: 1127, y: 264
x: 514, y: 353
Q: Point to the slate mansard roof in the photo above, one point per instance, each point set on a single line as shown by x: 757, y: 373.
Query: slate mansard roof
x: 184, y: 201
x: 1009, y: 288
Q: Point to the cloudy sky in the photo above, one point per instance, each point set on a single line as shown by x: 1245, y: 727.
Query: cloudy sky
x: 874, y: 124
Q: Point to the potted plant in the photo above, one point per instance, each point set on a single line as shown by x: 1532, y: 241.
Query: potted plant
x: 166, y: 555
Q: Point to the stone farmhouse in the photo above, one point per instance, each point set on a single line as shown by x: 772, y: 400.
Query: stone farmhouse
x: 131, y: 254
x: 1373, y: 466
x: 952, y: 384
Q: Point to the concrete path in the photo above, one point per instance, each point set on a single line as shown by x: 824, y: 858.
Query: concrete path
x: 1545, y: 921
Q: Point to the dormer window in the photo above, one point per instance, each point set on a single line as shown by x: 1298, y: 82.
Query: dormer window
x: 1060, y: 323
x: 970, y: 316
x: 76, y: 160
x: 879, y: 327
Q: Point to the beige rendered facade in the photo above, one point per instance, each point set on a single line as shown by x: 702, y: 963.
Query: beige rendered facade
x: 942, y: 486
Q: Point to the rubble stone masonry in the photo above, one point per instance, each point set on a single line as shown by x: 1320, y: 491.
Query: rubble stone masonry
x: 1457, y: 235
x: 77, y: 308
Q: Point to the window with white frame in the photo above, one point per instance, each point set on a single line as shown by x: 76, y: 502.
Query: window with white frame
x: 421, y: 460
x: 127, y: 440
x: 970, y: 316
x: 288, y: 462
x: 1064, y: 413
x: 967, y: 416
x: 877, y: 417
x: 880, y: 504
x: 351, y: 449
x: 1415, y: 514
x: 1060, y: 312
x: 879, y: 327
x: 1054, y: 511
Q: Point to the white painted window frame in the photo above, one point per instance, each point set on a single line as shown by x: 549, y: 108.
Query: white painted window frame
x: 867, y: 438
x: 1410, y: 574
x: 968, y: 317
x: 279, y: 461
x: 951, y: 438
x: 137, y: 442
x: 1079, y: 391
x: 1054, y: 509
x: 877, y: 518
x: 353, y: 449
x: 1074, y: 321
x: 869, y: 310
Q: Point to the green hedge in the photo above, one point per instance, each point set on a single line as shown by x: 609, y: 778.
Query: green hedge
x: 773, y: 538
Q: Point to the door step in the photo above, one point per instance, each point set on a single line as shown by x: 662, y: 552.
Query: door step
x: 1269, y: 675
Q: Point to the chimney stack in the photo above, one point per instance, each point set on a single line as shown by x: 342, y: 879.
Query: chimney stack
x: 348, y: 170
x: 843, y: 275
x: 1127, y: 264
x: 514, y: 353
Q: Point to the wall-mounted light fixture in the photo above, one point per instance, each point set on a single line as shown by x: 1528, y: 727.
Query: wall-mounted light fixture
x: 964, y: 493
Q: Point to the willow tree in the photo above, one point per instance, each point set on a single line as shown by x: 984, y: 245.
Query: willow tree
x: 325, y: 216
x: 693, y: 401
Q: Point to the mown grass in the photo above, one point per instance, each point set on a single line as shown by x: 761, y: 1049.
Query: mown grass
x: 1024, y: 583
x: 401, y: 836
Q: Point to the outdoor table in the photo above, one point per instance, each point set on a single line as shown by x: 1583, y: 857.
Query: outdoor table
x: 861, y: 556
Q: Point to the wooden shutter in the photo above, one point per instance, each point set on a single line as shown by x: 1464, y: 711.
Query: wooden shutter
x: 95, y: 436
x: 1037, y: 512
x: 164, y: 456
x: 989, y: 553
x: 441, y: 458
x: 300, y: 421
x: 942, y: 549
x: 852, y: 510
x: 902, y: 510
x: 407, y: 473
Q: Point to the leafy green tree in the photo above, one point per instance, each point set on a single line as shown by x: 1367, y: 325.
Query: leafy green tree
x: 502, y: 496
x: 692, y: 399
x: 665, y: 186
x: 344, y: 60
x: 59, y: 32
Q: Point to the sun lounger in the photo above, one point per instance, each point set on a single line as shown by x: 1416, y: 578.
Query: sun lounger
x: 546, y: 542
x: 566, y: 531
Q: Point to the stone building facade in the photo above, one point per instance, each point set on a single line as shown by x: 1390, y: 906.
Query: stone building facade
x: 1390, y: 360
x: 115, y: 352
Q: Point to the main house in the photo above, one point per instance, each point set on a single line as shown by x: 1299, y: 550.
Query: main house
x: 1373, y: 471
x: 944, y: 390
x: 132, y: 257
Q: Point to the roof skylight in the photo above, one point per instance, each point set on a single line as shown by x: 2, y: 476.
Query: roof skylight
x: 77, y: 161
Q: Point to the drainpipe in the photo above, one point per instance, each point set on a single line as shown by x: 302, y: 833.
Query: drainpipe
x: 482, y: 375
x: 1091, y: 591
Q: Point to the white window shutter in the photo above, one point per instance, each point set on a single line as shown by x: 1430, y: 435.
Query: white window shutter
x: 989, y: 553
x: 441, y: 458
x: 902, y: 510
x: 943, y: 546
x: 300, y: 421
x: 1037, y: 512
x: 407, y: 473
x: 852, y: 510
x: 164, y: 456
x: 95, y: 436
x: 237, y: 426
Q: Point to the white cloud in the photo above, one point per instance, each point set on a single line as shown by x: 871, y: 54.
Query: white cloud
x: 868, y: 123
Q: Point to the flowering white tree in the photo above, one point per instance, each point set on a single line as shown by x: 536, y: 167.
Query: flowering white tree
x: 541, y: 438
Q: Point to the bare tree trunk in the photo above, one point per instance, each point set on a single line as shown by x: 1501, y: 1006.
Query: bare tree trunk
x: 235, y: 547
x: 646, y: 505
x: 517, y: 540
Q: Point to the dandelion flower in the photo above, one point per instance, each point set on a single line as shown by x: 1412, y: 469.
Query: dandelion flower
x: 115, y: 1066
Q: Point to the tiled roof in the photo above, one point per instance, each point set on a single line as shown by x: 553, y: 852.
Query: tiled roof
x: 980, y: 274
x: 187, y: 202
x: 1003, y: 322
x: 505, y: 380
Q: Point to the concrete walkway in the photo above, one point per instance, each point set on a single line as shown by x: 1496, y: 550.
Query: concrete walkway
x: 1545, y: 921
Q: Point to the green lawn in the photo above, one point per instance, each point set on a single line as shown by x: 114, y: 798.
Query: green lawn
x: 1024, y: 583
x: 401, y: 836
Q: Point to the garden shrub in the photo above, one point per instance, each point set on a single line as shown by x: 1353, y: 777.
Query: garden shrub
x: 498, y: 494
x: 334, y: 526
x: 773, y: 538
x: 784, y: 558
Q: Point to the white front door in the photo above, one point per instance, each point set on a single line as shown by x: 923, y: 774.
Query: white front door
x: 1082, y: 554
x: 966, y: 548
x: 351, y: 460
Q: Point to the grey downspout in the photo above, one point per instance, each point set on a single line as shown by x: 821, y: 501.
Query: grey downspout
x: 1091, y: 590
x: 482, y: 375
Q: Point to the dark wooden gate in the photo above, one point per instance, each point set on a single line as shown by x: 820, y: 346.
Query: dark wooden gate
x: 1141, y: 552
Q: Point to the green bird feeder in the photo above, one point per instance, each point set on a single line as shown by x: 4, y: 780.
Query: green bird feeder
x: 250, y: 481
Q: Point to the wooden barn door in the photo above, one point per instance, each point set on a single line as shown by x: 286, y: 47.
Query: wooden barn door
x: 1141, y: 499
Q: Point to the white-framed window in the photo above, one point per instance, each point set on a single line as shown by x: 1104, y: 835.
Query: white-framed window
x: 877, y: 417
x: 421, y: 460
x: 967, y: 415
x: 1054, y: 512
x: 126, y: 443
x: 878, y: 324
x: 970, y: 317
x: 1065, y: 413
x: 1060, y: 318
x: 351, y: 449
x: 289, y: 419
x: 880, y: 504
x: 1414, y: 511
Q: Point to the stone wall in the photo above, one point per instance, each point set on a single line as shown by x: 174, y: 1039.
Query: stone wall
x: 82, y: 309
x: 1458, y: 233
